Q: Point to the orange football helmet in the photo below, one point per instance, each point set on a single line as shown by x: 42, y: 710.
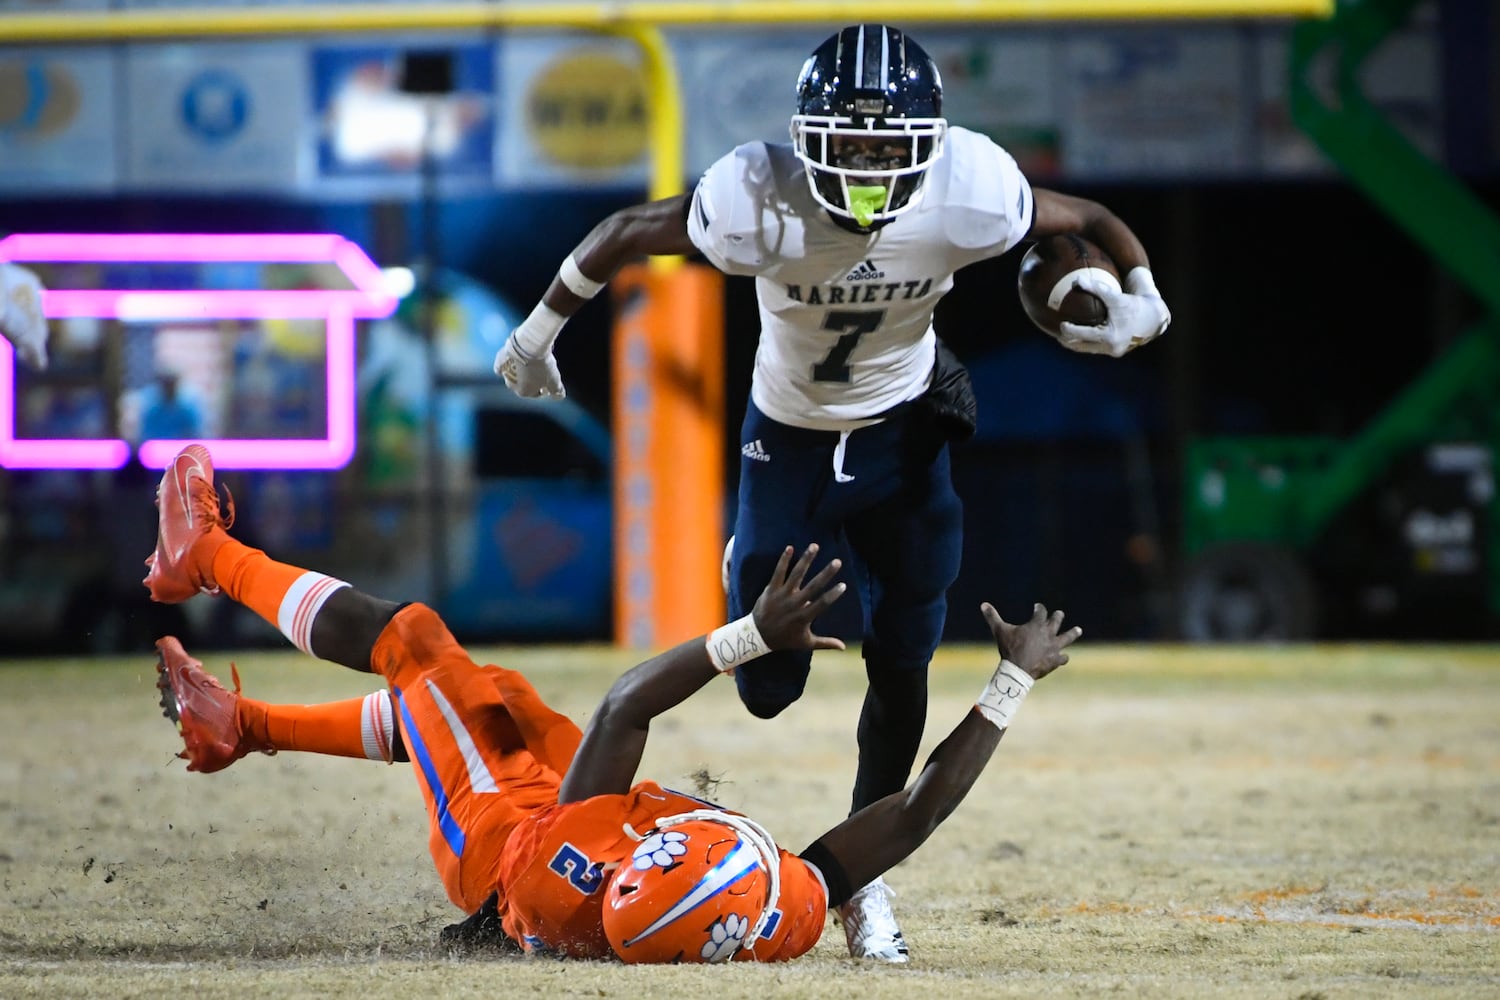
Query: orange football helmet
x: 697, y: 889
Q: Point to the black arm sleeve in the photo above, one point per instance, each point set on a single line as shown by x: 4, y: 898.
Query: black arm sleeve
x: 834, y: 875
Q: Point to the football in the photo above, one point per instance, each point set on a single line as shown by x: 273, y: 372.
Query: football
x: 1048, y: 280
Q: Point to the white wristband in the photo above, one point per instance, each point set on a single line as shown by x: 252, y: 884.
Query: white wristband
x: 538, y: 332
x: 578, y: 283
x: 738, y: 642
x: 1002, y: 696
x: 1140, y: 282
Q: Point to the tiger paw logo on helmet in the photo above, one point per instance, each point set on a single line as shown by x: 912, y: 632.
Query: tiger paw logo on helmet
x: 660, y: 850
x: 725, y: 937
x: 699, y: 889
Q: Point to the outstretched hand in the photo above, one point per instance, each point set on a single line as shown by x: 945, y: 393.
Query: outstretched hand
x: 786, y: 609
x: 1035, y: 646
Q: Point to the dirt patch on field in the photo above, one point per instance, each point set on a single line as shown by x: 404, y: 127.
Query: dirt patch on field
x: 1302, y: 823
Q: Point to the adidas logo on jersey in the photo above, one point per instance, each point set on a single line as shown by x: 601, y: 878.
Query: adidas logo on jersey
x: 866, y: 271
x: 755, y: 452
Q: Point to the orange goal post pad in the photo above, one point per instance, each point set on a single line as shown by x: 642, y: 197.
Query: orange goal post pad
x: 668, y: 378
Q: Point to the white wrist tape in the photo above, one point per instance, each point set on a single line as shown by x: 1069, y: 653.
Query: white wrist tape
x: 738, y: 642
x: 1002, y: 696
x: 1140, y: 282
x: 538, y: 332
x: 578, y: 283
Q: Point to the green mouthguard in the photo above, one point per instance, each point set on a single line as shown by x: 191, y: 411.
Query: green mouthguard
x: 865, y: 200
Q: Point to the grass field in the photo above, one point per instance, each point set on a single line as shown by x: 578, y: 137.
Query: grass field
x: 1305, y: 823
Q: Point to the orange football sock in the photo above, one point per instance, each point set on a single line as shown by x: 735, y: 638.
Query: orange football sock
x: 288, y: 597
x: 354, y: 727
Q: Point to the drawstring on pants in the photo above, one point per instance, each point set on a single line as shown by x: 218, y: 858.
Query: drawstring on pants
x: 839, y: 475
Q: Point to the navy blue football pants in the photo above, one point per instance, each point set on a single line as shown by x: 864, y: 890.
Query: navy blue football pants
x: 897, y: 524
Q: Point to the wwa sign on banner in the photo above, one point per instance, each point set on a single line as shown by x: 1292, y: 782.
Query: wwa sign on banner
x: 574, y: 111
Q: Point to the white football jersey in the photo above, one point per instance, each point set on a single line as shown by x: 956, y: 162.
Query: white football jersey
x: 846, y: 318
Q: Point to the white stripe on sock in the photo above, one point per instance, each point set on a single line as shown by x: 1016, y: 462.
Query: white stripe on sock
x: 376, y: 723
x: 301, y: 605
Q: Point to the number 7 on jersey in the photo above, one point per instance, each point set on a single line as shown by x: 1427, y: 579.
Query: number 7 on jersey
x: 852, y: 324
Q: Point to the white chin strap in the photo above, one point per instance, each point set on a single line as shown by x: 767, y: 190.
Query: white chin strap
x: 758, y: 838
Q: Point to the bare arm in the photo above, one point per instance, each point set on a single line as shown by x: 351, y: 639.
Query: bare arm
x: 655, y: 228
x: 874, y: 839
x: 607, y: 758
x: 1058, y: 213
x: 525, y: 360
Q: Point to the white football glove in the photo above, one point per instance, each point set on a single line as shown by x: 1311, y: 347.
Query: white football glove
x: 528, y: 377
x: 21, y: 319
x: 1136, y: 316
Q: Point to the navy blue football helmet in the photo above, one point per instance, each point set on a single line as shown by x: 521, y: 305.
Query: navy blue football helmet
x: 869, y: 122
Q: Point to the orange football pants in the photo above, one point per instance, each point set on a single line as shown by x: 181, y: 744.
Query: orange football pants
x: 486, y: 750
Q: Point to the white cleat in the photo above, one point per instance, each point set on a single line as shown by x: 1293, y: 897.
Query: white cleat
x: 870, y: 927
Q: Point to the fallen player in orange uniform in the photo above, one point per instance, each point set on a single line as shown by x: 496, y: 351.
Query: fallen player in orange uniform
x: 539, y: 831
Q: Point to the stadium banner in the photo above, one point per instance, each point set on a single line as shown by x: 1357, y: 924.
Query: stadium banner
x: 1003, y: 85
x: 49, y: 6
x: 573, y: 112
x: 224, y: 118
x: 57, y: 120
x: 1403, y: 79
x: 1282, y: 149
x: 736, y: 89
x: 668, y: 360
x: 372, y: 133
x: 1156, y: 102
x: 210, y: 4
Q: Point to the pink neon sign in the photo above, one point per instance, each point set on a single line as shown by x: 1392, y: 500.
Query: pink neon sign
x: 368, y: 299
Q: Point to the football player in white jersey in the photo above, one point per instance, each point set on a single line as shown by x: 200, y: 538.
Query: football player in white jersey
x: 21, y: 319
x: 853, y: 232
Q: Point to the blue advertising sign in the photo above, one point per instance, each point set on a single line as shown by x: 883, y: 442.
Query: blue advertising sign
x: 227, y: 117
x: 371, y: 130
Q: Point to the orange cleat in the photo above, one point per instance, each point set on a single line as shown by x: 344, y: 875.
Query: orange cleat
x: 206, y: 715
x: 188, y: 511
